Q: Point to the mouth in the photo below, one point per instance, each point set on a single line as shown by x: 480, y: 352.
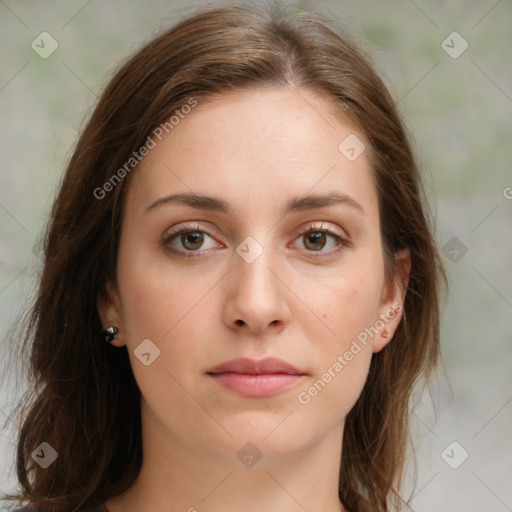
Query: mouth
x: 264, y: 384
x: 253, y: 378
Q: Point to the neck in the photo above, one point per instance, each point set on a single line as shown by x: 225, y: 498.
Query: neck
x: 199, y: 477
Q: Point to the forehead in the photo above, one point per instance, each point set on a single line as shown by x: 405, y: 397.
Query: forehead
x: 247, y: 144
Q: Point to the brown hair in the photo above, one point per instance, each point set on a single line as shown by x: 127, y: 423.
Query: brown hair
x: 83, y: 399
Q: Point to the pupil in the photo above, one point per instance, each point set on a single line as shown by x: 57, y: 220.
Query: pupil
x: 195, y: 236
x: 316, y: 238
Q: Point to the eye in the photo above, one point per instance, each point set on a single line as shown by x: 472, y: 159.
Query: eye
x: 190, y: 237
x: 315, y: 238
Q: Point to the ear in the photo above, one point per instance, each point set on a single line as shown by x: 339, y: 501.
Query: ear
x: 392, y: 300
x: 110, y: 312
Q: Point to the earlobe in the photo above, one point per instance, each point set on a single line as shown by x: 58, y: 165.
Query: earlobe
x: 392, y: 301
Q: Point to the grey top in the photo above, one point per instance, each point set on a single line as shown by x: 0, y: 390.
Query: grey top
x: 97, y: 508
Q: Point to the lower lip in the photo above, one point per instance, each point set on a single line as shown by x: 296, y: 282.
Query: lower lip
x: 265, y: 384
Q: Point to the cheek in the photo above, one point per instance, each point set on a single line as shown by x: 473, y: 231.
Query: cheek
x: 335, y: 389
x: 345, y: 308
x: 168, y: 310
x: 158, y: 298
x: 164, y: 307
x: 349, y: 308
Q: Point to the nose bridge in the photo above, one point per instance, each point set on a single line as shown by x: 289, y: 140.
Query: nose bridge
x: 253, y: 262
x: 259, y: 297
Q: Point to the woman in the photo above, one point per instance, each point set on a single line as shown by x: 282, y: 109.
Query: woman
x: 241, y: 285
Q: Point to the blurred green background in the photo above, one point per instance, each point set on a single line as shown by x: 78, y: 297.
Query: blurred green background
x: 459, y: 112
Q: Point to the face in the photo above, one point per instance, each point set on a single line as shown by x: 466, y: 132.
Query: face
x: 259, y: 271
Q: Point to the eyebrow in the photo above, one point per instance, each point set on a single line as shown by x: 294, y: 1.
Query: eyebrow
x: 297, y: 204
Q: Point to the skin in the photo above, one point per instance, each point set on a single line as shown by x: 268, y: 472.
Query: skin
x: 254, y: 149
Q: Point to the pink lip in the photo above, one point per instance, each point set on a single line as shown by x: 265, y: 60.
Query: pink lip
x: 266, y: 384
x: 250, y: 377
x: 256, y: 367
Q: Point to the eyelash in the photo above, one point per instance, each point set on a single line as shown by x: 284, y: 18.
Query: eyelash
x: 311, y: 228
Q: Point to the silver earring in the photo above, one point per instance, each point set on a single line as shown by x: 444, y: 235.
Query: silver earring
x: 385, y: 333
x: 110, y: 333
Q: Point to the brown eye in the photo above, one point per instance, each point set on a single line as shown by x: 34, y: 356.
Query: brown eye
x: 188, y: 239
x: 315, y: 240
x: 192, y: 240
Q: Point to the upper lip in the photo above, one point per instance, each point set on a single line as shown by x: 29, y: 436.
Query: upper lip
x: 253, y: 366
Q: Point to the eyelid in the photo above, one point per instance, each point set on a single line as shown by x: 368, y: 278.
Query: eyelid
x: 312, y: 226
x: 185, y: 228
x: 196, y: 226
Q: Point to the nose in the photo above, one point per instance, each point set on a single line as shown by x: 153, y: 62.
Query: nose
x: 257, y: 296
